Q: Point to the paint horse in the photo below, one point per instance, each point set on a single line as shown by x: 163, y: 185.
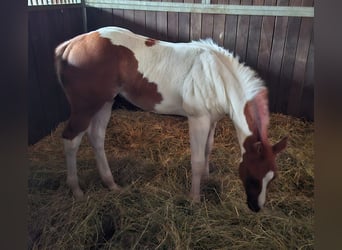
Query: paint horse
x: 198, y: 80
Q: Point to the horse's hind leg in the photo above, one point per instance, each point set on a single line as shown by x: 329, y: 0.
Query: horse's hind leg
x: 71, y: 148
x: 78, y: 124
x: 96, y: 133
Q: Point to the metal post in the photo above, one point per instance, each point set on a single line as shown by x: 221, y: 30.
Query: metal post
x: 84, y: 16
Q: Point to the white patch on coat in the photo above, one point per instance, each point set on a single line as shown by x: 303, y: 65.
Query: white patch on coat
x: 265, y: 181
x: 194, y: 79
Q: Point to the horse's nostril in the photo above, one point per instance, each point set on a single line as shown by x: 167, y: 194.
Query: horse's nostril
x: 254, y: 207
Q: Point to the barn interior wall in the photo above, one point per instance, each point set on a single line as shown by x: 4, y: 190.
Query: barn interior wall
x: 280, y: 49
x: 47, y: 103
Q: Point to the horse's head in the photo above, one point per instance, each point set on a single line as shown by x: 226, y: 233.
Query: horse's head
x: 257, y: 169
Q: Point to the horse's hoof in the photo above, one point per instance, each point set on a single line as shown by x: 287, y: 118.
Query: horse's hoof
x: 115, y: 188
x: 195, y: 198
x: 78, y: 195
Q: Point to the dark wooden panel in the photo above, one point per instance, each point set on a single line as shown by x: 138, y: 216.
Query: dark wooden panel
x: 196, y: 26
x: 106, y: 17
x: 128, y: 19
x: 218, y: 32
x: 283, y: 89
x: 219, y: 22
x: 172, y: 26
x: 254, y: 38
x: 265, y: 42
x: 184, y: 26
x: 36, y: 119
x: 151, y: 23
x: 44, y: 54
x: 277, y: 52
x: 307, y: 100
x: 242, y: 33
x: 93, y: 20
x: 162, y: 25
x: 48, y: 105
x: 118, y: 17
x: 296, y: 88
x: 280, y: 48
x: 207, y: 26
x: 230, y: 29
x: 139, y: 22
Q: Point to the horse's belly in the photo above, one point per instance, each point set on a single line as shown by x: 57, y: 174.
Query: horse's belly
x: 170, y: 108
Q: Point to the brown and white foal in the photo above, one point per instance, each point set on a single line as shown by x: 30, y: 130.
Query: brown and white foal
x: 198, y: 80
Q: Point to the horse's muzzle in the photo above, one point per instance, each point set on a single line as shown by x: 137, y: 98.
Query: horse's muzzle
x: 253, y: 206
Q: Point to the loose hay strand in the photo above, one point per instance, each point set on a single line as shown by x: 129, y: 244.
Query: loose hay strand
x: 150, y: 157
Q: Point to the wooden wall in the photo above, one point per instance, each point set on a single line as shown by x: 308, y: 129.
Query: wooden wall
x: 281, y: 49
x: 47, y: 104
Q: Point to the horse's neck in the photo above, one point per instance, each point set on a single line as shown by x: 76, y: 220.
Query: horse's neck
x: 246, y: 101
x: 251, y: 117
x: 242, y: 129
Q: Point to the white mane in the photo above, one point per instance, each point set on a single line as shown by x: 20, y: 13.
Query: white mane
x: 247, y: 77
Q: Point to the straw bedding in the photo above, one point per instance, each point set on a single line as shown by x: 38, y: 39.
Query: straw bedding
x: 149, y: 156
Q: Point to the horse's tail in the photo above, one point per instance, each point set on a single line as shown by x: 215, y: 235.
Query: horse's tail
x: 59, y: 61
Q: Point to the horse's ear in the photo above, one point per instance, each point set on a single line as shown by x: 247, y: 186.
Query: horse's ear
x: 280, y: 146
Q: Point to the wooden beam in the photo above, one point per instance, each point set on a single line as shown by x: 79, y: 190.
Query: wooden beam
x: 253, y: 10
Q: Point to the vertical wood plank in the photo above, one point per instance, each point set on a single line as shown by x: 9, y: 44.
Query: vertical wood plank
x: 118, y: 16
x: 307, y: 100
x: 139, y: 22
x: 172, y: 26
x: 219, y: 22
x: 47, y: 28
x: 296, y: 88
x: 93, y: 17
x: 254, y: 38
x: 184, y: 25
x: 162, y: 24
x: 106, y: 18
x: 196, y: 26
x: 266, y: 42
x: 207, y: 26
x: 151, y: 23
x: 277, y: 55
x: 44, y: 55
x: 287, y: 66
x: 242, y: 33
x: 128, y: 19
x: 230, y: 29
x: 36, y: 119
x: 62, y: 30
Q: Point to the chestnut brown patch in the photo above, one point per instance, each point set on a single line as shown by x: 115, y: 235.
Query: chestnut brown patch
x: 94, y: 71
x: 150, y: 42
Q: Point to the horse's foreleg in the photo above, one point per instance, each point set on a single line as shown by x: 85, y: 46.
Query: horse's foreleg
x: 199, y: 128
x: 71, y: 148
x: 209, y: 148
x: 96, y: 133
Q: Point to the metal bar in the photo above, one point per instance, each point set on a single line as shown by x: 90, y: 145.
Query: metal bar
x: 253, y: 10
x: 53, y: 7
x: 84, y: 16
x: 51, y: 2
